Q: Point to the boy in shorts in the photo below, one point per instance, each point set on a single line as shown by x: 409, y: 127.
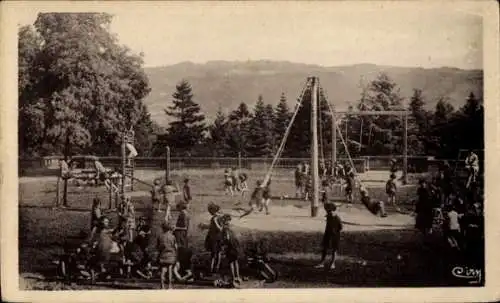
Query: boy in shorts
x: 331, y: 236
x: 231, y: 248
x: 390, y: 190
x: 167, y: 254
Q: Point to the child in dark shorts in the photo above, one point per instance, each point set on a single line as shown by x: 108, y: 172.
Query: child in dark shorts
x: 182, y: 225
x: 167, y: 257
x: 349, y: 187
x: 186, y: 192
x: 156, y: 194
x: 331, y: 237
x: 231, y: 247
x: 266, y: 197
x: 213, y: 238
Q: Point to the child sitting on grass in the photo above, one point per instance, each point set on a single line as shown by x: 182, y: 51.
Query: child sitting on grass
x: 167, y: 254
x: 390, y: 189
x: 331, y: 237
x: 375, y: 207
x: 183, y: 267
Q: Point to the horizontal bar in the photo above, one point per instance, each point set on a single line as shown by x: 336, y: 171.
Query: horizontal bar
x: 373, y: 113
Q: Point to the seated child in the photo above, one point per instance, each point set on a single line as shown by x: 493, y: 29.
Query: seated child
x: 183, y: 271
x: 375, y: 207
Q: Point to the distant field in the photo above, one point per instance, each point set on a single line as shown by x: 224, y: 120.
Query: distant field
x: 295, y: 249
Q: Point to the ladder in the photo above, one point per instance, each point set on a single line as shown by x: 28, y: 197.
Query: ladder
x: 128, y: 165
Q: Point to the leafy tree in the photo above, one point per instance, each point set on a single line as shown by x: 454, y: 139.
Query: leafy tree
x: 218, y: 134
x: 239, y: 129
x: 385, y: 133
x: 188, y: 127
x: 261, y: 131
x: 72, y: 68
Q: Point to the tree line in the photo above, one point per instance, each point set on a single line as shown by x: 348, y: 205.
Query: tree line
x: 79, y: 89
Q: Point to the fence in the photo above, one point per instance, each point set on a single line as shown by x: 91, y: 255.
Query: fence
x: 49, y: 165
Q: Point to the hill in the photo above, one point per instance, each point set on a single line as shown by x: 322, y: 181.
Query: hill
x: 225, y: 84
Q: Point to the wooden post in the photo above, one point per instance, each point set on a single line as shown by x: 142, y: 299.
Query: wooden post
x: 334, y: 138
x: 58, y: 189
x: 65, y: 193
x: 124, y: 166
x: 167, y: 168
x: 314, y: 149
x: 405, y: 150
x: 239, y: 160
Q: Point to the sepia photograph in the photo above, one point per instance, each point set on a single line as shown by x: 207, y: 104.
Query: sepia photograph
x: 250, y: 145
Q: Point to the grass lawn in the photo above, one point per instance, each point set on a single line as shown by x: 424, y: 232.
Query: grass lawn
x: 368, y: 257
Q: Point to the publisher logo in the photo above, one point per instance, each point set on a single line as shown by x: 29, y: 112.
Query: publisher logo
x: 473, y: 275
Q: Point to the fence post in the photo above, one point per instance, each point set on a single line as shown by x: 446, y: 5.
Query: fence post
x: 239, y: 160
x: 167, y: 168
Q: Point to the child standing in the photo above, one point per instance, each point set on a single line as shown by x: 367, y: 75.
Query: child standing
x: 169, y: 192
x: 95, y: 216
x: 167, y: 257
x: 182, y: 225
x: 231, y: 247
x: 243, y: 183
x: 423, y: 209
x: 156, y: 194
x: 213, y: 239
x: 331, y: 237
x: 390, y: 190
x: 228, y: 182
x: 299, y: 181
x: 186, y: 192
x: 255, y: 199
x: 349, y: 187
x: 266, y: 197
x: 129, y: 218
x: 453, y: 227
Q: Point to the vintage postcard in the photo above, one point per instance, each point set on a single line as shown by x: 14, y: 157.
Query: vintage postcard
x: 249, y: 151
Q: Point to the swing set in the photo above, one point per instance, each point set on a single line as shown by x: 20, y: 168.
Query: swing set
x: 313, y: 85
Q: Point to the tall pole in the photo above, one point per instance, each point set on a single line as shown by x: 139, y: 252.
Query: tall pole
x: 405, y: 150
x: 167, y: 167
x: 334, y: 137
x: 314, y: 149
x: 124, y: 166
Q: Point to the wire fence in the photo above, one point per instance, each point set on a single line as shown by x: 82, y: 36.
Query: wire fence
x: 49, y: 165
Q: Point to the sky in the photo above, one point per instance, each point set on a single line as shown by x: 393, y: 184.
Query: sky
x: 324, y: 33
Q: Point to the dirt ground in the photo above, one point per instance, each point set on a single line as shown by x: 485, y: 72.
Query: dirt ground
x: 373, y: 251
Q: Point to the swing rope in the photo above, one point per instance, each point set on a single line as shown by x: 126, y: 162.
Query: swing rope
x: 285, y: 136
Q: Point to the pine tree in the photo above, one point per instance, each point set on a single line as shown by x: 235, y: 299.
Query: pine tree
x: 218, y: 134
x: 261, y: 131
x: 188, y: 128
x: 418, y: 124
x: 238, y: 130
x: 282, y: 119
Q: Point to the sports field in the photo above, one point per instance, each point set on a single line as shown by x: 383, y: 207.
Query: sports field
x: 373, y: 251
